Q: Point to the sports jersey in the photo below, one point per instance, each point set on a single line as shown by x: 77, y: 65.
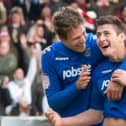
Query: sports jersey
x: 63, y: 67
x: 100, y: 80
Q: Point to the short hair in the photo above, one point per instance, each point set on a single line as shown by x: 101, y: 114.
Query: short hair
x: 109, y: 19
x: 17, y: 10
x: 65, y: 20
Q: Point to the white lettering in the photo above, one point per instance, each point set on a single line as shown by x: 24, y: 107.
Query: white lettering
x: 73, y: 72
x: 105, y: 84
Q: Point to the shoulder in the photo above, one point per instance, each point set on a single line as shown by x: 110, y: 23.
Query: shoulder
x: 100, y: 69
x: 52, y: 48
x: 90, y: 37
x: 51, y: 51
x: 123, y: 64
x: 11, y: 59
x: 11, y: 84
x: 91, y: 41
x: 11, y: 55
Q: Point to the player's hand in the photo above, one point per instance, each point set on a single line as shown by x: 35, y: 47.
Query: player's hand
x: 119, y: 76
x: 84, y: 78
x: 54, y: 118
x: 114, y: 91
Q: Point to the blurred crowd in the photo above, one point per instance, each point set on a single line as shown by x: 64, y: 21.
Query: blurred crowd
x: 26, y: 28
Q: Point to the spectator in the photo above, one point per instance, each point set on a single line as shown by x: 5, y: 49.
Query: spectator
x: 56, y: 4
x: 22, y: 85
x: 8, y: 60
x: 37, y: 90
x: 16, y: 21
x: 3, y: 13
x: 5, y: 98
x: 123, y: 12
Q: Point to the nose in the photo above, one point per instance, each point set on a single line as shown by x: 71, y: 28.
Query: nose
x: 83, y: 38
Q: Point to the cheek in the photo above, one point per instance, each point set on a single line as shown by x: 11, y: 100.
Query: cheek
x: 98, y: 42
x: 71, y: 43
x: 75, y: 42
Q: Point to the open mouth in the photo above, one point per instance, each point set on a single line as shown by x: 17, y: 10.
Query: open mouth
x: 104, y: 47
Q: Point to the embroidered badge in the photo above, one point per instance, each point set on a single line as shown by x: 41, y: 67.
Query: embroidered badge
x: 87, y: 52
x: 46, y: 82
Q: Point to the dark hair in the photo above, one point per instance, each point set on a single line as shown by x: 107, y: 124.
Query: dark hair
x: 65, y: 20
x: 109, y: 19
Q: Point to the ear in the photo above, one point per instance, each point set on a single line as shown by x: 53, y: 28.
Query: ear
x: 122, y: 35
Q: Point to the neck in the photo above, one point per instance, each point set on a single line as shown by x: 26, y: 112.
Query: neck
x: 118, y: 56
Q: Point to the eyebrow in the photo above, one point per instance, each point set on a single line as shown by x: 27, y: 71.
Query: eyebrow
x: 77, y: 37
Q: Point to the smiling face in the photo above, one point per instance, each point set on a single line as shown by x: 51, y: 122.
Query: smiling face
x: 76, y: 39
x: 110, y: 42
x: 69, y: 26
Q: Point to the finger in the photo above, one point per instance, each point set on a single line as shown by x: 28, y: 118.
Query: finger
x: 114, y: 95
x: 85, y: 83
x: 120, y: 94
x: 84, y: 67
x: 83, y: 86
x: 108, y: 93
x: 118, y: 71
x: 115, y: 79
x: 85, y: 73
x: 83, y: 79
x: 49, y: 113
x: 116, y: 75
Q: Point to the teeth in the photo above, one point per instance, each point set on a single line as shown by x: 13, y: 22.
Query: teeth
x: 105, y: 46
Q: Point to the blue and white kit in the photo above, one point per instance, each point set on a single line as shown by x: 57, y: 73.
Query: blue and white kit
x: 63, y: 67
x: 100, y: 80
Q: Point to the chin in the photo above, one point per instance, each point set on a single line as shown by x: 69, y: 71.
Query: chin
x: 106, y: 54
x: 81, y: 50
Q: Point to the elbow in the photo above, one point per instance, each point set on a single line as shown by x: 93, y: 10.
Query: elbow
x: 54, y: 104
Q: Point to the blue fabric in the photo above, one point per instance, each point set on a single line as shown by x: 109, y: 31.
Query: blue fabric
x: 100, y: 80
x: 63, y: 66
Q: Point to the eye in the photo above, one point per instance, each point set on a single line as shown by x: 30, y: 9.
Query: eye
x: 107, y: 33
x: 98, y: 34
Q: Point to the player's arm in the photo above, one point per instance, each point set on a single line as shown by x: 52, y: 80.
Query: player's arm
x: 86, y: 118
x: 116, y: 85
x: 119, y: 76
x: 58, y: 98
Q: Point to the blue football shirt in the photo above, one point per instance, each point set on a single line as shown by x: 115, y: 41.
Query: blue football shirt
x: 100, y: 80
x: 62, y: 67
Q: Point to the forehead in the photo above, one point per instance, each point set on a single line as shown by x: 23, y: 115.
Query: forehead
x: 105, y: 27
x: 75, y: 32
x: 19, y: 71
